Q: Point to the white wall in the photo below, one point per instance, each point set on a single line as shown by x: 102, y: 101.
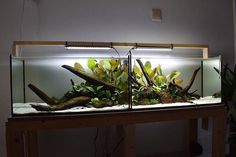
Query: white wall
x: 184, y: 21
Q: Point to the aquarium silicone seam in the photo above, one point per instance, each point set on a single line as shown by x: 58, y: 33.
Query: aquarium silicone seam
x: 24, y: 80
x: 202, y: 64
x: 129, y: 79
x: 11, y: 84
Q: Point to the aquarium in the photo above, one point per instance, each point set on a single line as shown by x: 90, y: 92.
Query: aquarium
x: 56, y: 79
x: 72, y: 81
x: 175, y: 78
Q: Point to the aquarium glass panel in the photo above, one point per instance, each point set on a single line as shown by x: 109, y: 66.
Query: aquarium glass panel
x: 17, y: 80
x: 211, y: 80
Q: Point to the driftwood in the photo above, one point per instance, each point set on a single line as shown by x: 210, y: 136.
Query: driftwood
x: 42, y: 95
x: 73, y: 102
x: 165, y: 96
x: 132, y: 77
x: 66, y: 102
x: 54, y: 105
x: 149, y: 81
x: 186, y: 89
x: 89, y: 78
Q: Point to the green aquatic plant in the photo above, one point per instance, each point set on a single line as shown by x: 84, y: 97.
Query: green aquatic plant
x: 106, y: 85
x: 112, y: 71
x: 152, y: 86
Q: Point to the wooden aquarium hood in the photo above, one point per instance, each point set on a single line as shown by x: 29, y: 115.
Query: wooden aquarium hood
x: 18, y: 44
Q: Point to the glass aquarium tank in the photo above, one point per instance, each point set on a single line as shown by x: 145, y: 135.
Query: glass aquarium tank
x: 172, y: 77
x: 51, y: 80
x: 92, y: 77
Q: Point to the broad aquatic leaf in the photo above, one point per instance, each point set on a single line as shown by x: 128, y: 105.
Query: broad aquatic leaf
x: 100, y: 64
x: 178, y: 81
x: 153, y: 73
x: 114, y: 63
x: 141, y: 81
x: 78, y: 67
x: 174, y: 74
x: 107, y: 65
x: 90, y: 89
x: 124, y: 77
x: 160, y: 80
x: 148, y: 67
x: 117, y: 73
x: 124, y: 67
x: 99, y: 87
x: 137, y: 71
x: 98, y: 72
x: 160, y: 71
x: 108, y: 94
x: 91, y: 64
x: 163, y: 78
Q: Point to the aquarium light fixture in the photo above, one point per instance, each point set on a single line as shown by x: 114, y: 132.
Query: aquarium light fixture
x: 86, y: 46
x: 154, y: 48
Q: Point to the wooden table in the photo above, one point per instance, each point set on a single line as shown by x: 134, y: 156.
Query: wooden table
x: 21, y: 132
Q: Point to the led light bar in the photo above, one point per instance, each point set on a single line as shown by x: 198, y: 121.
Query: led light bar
x: 87, y: 48
x: 163, y: 47
x: 152, y: 49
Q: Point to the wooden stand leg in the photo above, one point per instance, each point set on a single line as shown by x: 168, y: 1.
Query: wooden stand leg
x: 218, y: 135
x: 127, y: 132
x: 123, y: 141
x: 15, y: 143
x: 101, y: 140
x: 192, y: 131
x: 21, y: 143
x: 31, y: 143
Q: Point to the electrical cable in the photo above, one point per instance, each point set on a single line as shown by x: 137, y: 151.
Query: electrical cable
x: 116, y: 51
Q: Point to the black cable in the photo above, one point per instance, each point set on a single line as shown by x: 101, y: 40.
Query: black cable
x: 116, y: 51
